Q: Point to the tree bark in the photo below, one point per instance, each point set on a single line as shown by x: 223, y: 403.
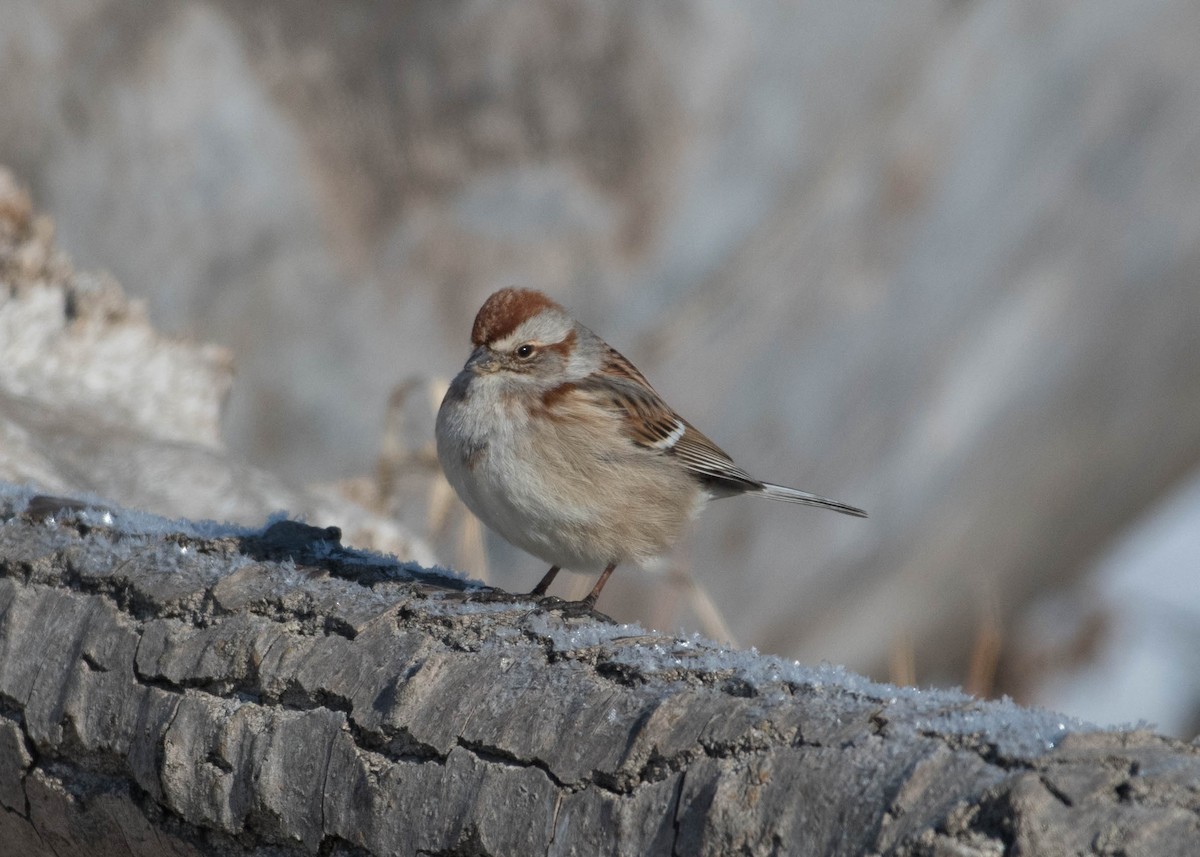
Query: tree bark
x: 180, y: 688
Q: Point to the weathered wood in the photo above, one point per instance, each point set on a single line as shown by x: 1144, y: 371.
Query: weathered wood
x: 169, y: 689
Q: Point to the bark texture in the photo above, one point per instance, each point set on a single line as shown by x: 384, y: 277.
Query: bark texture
x: 180, y: 688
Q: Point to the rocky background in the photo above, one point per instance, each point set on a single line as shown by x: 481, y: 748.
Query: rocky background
x: 936, y: 259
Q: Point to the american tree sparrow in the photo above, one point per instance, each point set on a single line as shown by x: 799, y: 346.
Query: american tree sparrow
x: 560, y: 445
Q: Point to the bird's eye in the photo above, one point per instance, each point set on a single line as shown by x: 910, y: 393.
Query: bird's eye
x: 524, y: 351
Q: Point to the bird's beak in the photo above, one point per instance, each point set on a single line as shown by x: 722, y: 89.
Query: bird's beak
x: 482, y: 361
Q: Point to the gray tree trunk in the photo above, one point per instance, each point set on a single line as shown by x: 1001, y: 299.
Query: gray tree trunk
x: 178, y: 688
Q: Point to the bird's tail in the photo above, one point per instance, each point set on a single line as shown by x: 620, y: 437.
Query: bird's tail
x: 791, y: 495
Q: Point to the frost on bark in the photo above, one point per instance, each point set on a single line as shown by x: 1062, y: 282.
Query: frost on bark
x: 183, y: 688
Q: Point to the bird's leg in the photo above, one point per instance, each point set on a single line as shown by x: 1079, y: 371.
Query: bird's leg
x: 545, y: 582
x: 585, y: 608
x: 590, y: 601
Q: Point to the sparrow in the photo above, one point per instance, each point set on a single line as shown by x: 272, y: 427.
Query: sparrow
x: 559, y: 444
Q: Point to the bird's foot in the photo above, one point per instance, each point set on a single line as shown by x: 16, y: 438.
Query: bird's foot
x: 582, y: 609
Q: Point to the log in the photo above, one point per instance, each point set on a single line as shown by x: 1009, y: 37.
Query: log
x: 174, y: 687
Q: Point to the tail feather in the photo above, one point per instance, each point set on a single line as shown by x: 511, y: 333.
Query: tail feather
x: 791, y: 495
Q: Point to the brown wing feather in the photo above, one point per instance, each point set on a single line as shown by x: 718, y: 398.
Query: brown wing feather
x: 710, y: 463
x: 648, y: 421
x: 652, y: 424
x: 615, y: 364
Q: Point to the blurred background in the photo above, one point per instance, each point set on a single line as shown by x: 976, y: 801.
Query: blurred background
x: 940, y: 260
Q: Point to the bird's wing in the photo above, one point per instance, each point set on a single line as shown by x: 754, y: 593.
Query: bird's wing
x: 650, y: 423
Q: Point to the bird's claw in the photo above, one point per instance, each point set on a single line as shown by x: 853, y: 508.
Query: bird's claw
x: 582, y: 609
